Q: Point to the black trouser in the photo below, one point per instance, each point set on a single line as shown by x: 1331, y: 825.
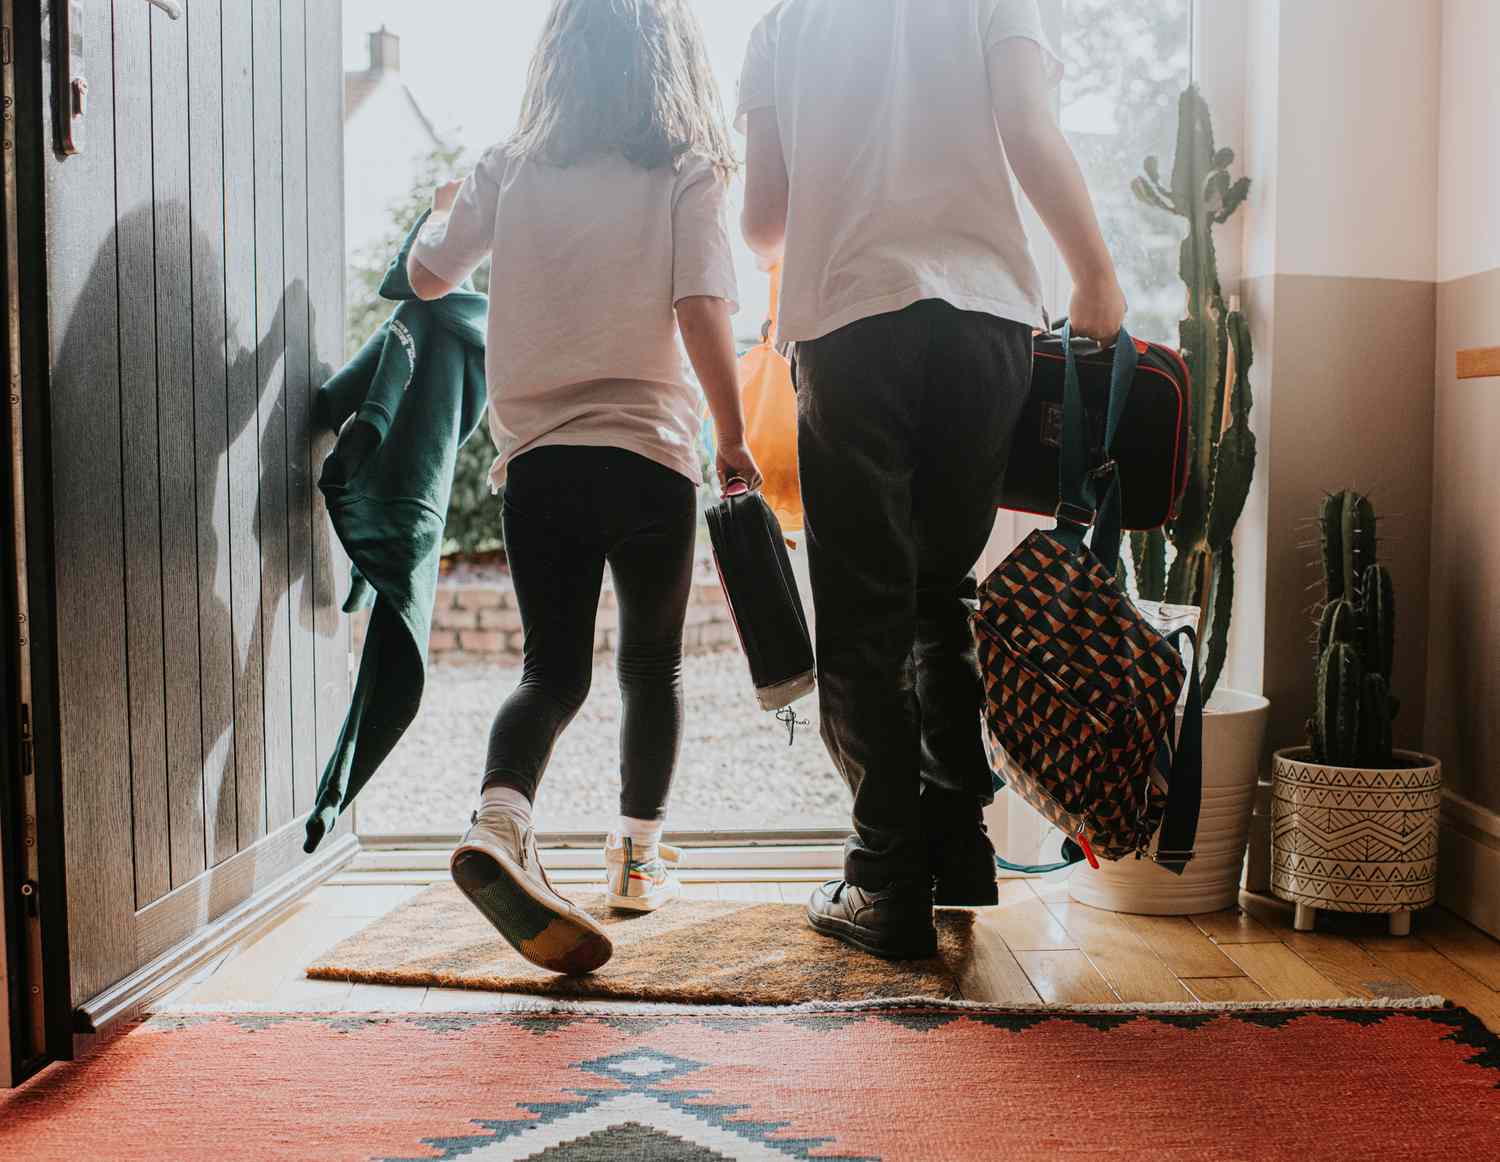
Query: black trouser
x: 568, y: 510
x: 905, y: 425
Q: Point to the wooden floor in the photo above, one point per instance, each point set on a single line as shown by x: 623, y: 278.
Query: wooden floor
x: 1037, y: 945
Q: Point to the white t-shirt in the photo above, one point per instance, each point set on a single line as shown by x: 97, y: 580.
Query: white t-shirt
x: 589, y: 263
x: 900, y: 189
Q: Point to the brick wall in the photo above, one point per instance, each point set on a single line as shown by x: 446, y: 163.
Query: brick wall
x: 477, y: 621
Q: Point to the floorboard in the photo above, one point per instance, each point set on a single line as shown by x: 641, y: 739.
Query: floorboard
x: 1066, y: 976
x: 1234, y: 926
x: 1416, y: 960
x: 1134, y: 972
x: 1024, y: 922
x: 1283, y: 974
x: 994, y: 976
x: 1472, y: 950
x: 1218, y: 989
x: 1349, y: 966
x: 384, y: 998
x: 1183, y: 947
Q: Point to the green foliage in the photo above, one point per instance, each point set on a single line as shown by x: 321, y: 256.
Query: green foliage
x: 473, y: 514
x: 1215, y: 343
x: 1351, y: 723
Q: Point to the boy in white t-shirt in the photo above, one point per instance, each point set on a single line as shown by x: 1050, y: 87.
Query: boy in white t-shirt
x: 882, y: 135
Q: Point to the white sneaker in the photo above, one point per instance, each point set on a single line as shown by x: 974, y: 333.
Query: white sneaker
x: 498, y: 869
x: 640, y: 878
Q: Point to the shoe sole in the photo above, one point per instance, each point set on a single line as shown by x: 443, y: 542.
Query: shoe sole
x: 533, y: 925
x: 855, y: 937
x: 644, y: 903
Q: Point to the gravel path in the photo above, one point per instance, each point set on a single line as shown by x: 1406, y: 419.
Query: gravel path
x: 736, y: 773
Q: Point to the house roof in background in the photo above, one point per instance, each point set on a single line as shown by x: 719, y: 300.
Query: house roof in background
x: 361, y: 84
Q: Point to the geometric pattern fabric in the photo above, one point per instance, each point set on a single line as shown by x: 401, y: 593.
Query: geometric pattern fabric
x: 1080, y: 695
x: 933, y: 1084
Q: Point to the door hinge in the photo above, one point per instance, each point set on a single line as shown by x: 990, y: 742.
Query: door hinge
x: 28, y: 741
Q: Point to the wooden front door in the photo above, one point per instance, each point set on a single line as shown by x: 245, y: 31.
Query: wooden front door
x: 198, y: 665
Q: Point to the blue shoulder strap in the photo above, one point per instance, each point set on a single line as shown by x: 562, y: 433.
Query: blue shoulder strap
x: 1080, y: 505
x: 1179, y: 824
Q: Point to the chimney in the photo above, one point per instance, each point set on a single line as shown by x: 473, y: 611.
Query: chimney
x: 385, y: 51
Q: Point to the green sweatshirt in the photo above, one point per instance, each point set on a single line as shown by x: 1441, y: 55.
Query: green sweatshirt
x: 416, y: 392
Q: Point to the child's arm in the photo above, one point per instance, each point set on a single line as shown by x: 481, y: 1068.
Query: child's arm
x: 424, y: 284
x: 709, y: 339
x: 1047, y: 170
x: 767, y: 186
x: 459, y: 233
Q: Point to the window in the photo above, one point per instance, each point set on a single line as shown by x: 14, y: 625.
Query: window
x: 1126, y: 62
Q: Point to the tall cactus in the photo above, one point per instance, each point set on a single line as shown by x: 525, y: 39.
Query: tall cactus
x: 1215, y: 342
x: 1351, y: 722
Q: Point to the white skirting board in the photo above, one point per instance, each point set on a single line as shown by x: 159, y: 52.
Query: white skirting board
x: 1469, y: 863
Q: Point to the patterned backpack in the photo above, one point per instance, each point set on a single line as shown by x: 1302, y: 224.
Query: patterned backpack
x: 1081, y: 690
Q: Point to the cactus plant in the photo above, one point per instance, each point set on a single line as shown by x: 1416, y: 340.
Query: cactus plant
x: 1215, y: 342
x: 1351, y: 722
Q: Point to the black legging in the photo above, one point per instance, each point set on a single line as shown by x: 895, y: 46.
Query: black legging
x: 568, y: 510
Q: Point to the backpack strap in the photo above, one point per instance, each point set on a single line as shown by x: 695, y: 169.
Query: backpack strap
x: 1080, y: 505
x: 1179, y: 824
x: 1071, y: 854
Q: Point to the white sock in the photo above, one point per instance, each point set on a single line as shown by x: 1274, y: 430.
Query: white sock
x: 509, y: 800
x: 641, y: 832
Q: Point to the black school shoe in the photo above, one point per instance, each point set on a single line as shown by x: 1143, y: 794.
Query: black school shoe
x: 894, y: 923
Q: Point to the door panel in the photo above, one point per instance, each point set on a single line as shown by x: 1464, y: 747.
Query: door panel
x: 323, y: 20
x: 299, y: 467
x: 194, y: 259
x: 217, y: 671
x: 271, y: 310
x: 144, y: 608
x: 88, y: 536
x: 243, y: 458
x: 176, y: 443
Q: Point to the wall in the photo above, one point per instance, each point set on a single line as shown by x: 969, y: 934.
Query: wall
x: 1463, y: 673
x: 1339, y: 260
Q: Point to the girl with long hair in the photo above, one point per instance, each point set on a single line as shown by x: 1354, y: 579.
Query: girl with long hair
x: 604, y: 215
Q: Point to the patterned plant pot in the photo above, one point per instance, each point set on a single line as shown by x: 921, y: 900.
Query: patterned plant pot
x: 1350, y: 839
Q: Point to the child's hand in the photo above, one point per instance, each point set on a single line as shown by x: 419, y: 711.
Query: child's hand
x: 735, y: 461
x: 445, y: 195
x: 1098, y: 312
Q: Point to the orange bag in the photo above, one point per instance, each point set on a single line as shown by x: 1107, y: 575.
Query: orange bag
x: 770, y: 404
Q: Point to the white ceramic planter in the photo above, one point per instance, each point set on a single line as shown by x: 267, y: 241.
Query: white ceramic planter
x: 1355, y: 839
x: 1234, y: 732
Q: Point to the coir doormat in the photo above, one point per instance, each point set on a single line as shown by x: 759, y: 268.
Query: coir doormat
x: 690, y: 952
x: 904, y: 1082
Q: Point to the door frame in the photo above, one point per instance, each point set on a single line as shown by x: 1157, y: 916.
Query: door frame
x: 34, y: 907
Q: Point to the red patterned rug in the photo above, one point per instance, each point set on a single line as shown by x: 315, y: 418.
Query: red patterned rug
x: 893, y: 1082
